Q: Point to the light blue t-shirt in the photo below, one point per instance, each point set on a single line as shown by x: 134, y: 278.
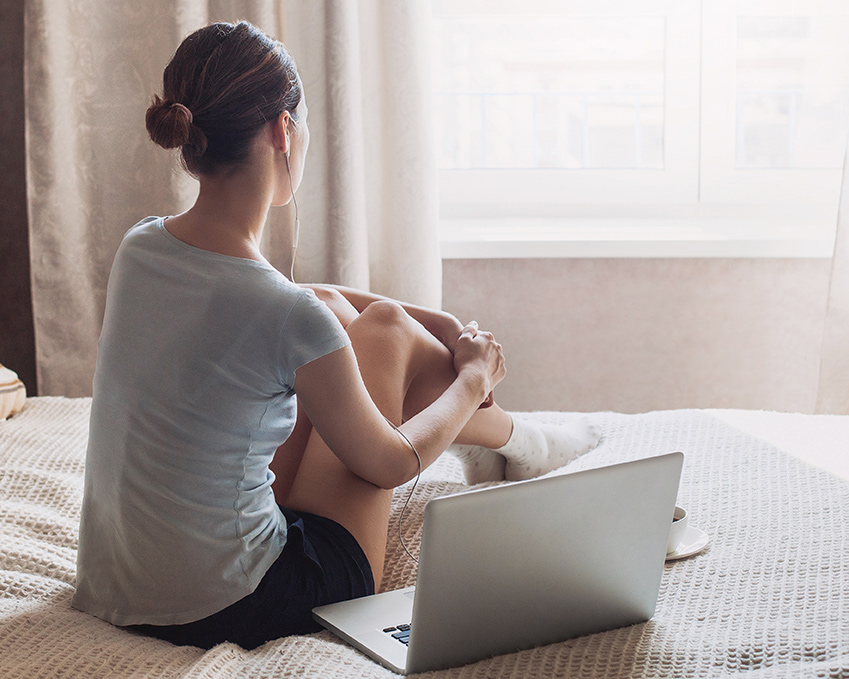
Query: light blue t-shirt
x: 192, y: 395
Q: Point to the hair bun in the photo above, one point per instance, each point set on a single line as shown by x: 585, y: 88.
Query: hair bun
x: 169, y: 124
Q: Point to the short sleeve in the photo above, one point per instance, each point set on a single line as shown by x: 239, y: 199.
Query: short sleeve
x: 310, y: 331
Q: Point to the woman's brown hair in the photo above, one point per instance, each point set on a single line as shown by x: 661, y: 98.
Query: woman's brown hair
x: 223, y: 83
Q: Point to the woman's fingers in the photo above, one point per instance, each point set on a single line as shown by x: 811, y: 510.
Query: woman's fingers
x: 476, y: 345
x: 471, y: 329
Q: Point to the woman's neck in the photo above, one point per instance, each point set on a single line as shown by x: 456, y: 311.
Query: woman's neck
x: 228, y: 216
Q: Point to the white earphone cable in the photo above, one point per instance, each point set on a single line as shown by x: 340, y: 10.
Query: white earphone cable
x: 412, y: 489
x: 297, y: 222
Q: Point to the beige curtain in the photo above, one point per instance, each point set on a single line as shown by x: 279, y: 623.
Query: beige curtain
x: 833, y: 393
x: 367, y: 204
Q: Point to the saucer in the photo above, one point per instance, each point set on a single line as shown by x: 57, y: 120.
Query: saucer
x: 693, y: 542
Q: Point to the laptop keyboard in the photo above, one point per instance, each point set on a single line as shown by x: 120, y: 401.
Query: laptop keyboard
x: 400, y: 632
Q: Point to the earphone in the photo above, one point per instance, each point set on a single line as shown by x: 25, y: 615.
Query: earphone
x: 297, y: 221
x: 412, y: 490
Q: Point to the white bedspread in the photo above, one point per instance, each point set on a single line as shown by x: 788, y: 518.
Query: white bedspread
x: 768, y: 598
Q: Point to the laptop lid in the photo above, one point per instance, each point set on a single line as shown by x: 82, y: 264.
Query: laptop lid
x: 525, y: 564
x: 532, y: 563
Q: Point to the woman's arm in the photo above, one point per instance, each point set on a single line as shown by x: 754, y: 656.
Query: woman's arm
x: 442, y: 325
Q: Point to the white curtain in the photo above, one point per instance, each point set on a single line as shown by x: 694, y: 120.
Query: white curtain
x: 833, y: 393
x: 368, y: 201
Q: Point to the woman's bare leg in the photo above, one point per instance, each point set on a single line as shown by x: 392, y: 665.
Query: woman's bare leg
x: 397, y: 358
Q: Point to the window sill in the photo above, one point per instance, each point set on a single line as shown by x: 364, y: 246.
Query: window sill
x: 641, y: 238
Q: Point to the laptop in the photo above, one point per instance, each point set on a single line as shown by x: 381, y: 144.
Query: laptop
x: 521, y: 565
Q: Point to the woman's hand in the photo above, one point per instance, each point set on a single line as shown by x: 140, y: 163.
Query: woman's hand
x: 477, y: 350
x: 448, y: 331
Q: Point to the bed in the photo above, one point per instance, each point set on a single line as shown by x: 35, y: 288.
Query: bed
x: 768, y: 597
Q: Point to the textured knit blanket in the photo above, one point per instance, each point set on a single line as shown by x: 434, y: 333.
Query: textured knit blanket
x: 769, y: 597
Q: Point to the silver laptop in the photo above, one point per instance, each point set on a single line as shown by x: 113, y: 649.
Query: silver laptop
x: 516, y: 566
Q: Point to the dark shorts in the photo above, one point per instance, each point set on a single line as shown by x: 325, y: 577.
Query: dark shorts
x: 321, y: 563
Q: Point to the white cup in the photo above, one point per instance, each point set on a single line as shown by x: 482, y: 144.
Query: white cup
x: 677, y: 530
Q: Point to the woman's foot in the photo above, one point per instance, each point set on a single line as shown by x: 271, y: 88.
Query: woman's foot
x: 536, y: 448
x: 480, y: 465
x: 533, y: 449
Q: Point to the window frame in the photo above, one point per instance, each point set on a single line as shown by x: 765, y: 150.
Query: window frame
x: 699, y: 205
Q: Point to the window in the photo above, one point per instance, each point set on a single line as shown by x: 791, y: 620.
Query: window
x: 660, y: 128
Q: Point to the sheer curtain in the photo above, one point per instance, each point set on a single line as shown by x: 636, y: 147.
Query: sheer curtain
x: 833, y: 393
x: 367, y: 204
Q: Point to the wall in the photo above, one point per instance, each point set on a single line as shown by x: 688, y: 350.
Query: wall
x: 634, y: 335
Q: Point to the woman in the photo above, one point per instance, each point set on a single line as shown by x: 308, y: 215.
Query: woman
x: 217, y: 506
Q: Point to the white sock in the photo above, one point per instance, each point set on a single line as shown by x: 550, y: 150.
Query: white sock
x: 536, y: 448
x: 533, y: 449
x: 479, y: 464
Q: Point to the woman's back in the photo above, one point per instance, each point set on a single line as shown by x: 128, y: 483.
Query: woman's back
x: 192, y: 396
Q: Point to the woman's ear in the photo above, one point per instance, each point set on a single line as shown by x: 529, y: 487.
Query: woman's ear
x: 280, y: 132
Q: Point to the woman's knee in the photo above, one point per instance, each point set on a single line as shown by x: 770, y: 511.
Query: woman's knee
x: 388, y: 340
x: 385, y: 331
x: 386, y: 328
x: 386, y: 316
